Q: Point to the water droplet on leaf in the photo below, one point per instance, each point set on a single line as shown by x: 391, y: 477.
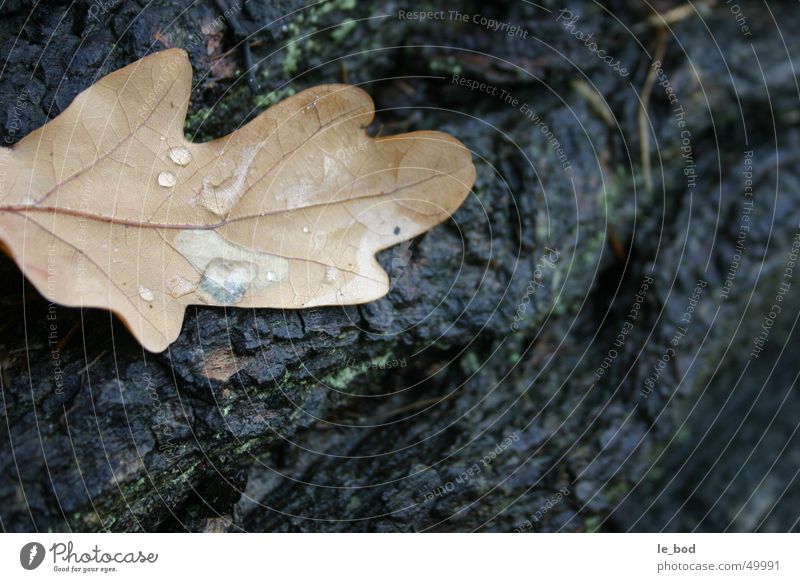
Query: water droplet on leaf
x: 180, y: 156
x: 146, y: 294
x: 167, y: 179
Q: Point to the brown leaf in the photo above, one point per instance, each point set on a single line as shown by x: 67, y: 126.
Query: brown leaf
x: 110, y: 206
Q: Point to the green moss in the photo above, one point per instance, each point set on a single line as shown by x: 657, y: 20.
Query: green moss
x: 331, y: 6
x: 593, y: 524
x: 448, y: 66
x: 292, y: 60
x: 684, y: 435
x: 194, y: 122
x: 247, y: 446
x: 470, y: 363
x: 618, y: 491
x: 340, y: 33
x: 302, y: 39
x: 341, y: 379
x: 212, y: 122
x: 619, y: 195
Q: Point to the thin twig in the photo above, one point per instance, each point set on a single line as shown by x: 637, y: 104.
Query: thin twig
x: 595, y: 101
x: 243, y: 38
x: 647, y: 90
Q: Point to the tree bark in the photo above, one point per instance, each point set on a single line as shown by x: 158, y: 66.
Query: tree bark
x: 506, y: 381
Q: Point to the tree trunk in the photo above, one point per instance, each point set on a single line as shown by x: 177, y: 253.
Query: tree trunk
x: 532, y: 368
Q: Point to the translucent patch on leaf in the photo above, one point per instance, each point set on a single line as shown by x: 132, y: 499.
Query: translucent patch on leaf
x: 179, y: 286
x: 221, y: 198
x: 227, y: 281
x: 228, y: 271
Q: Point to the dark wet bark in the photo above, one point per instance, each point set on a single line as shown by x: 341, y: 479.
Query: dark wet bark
x: 491, y: 388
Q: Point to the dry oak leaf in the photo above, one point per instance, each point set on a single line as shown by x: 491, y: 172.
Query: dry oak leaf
x: 108, y: 205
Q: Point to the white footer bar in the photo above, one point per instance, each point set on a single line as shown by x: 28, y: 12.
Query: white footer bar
x: 399, y: 557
